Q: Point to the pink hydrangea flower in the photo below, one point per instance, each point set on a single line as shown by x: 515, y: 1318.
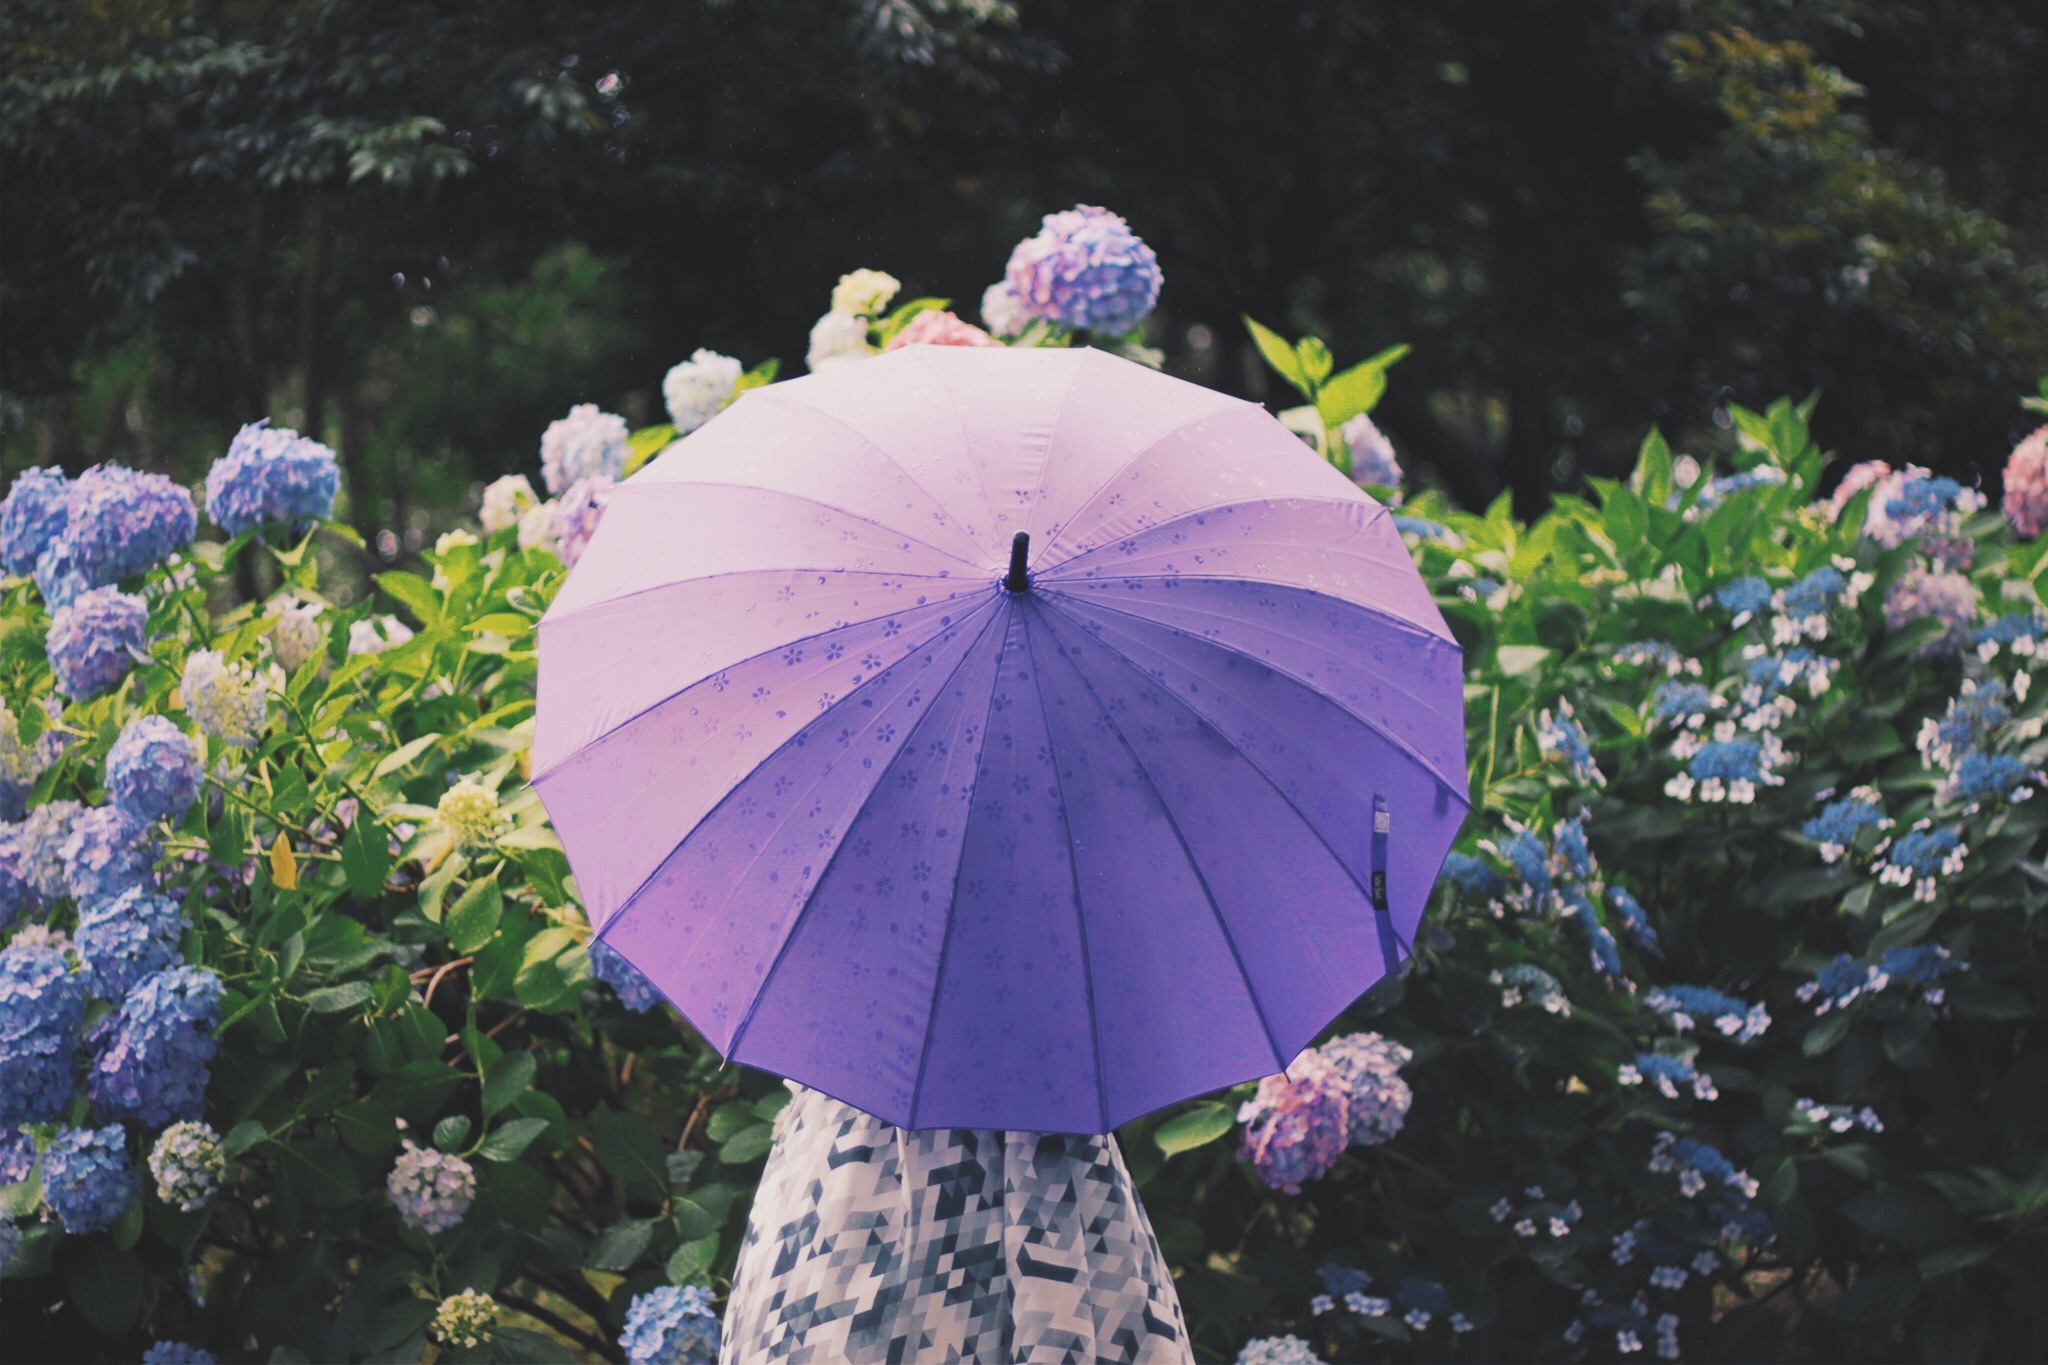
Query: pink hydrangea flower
x: 1859, y: 477
x: 1948, y: 597
x: 935, y: 327
x: 1298, y: 1123
x: 2026, y: 485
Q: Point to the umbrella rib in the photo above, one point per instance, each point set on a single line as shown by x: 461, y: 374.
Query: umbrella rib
x: 924, y: 1053
x: 1366, y: 721
x: 1052, y: 432
x: 1397, y: 622
x: 789, y: 936
x: 914, y: 357
x: 590, y: 609
x: 1210, y: 509
x: 1457, y: 794
x: 653, y: 706
x: 1187, y: 852
x: 1080, y: 909
x: 820, y: 502
x: 786, y: 401
x: 627, y: 904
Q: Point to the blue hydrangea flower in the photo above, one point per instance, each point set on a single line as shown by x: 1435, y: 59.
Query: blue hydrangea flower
x: 17, y: 894
x: 1918, y: 964
x: 1568, y: 847
x: 1604, y: 953
x: 42, y: 1009
x: 107, y: 851
x: 41, y: 856
x: 118, y: 524
x: 271, y: 474
x: 1474, y: 877
x: 154, y: 1054
x: 33, y: 515
x: 178, y: 1353
x: 1686, y: 1005
x: 2020, y: 631
x: 431, y: 1190
x: 1086, y: 269
x: 1425, y: 1295
x: 1730, y: 769
x: 1981, y: 777
x: 609, y: 965
x: 1562, y: 737
x: 588, y: 443
x: 1842, y: 819
x: 1341, y: 1280
x: 87, y: 1179
x: 1424, y: 529
x: 1815, y: 594
x: 1681, y: 703
x: 672, y: 1325
x: 1698, y: 1167
x: 1920, y: 858
x: 1668, y: 1076
x: 1297, y: 1124
x: 1719, y: 490
x: 1840, y: 983
x: 1373, y: 462
x: 1972, y: 719
x: 125, y: 939
x: 1923, y: 498
x: 95, y: 639
x: 153, y: 769
x: 1531, y: 861
x: 1635, y: 919
x: 1745, y: 597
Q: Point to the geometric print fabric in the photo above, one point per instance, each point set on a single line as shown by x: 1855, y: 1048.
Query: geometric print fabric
x: 872, y: 1243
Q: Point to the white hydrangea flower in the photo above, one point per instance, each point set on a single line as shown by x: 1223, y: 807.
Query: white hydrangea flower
x: 588, y: 441
x: 225, y: 701
x: 469, y: 811
x: 377, y: 634
x: 864, y: 293
x: 838, y: 339
x: 506, y: 500
x: 298, y: 634
x: 540, y: 527
x: 696, y: 391
x: 1003, y: 311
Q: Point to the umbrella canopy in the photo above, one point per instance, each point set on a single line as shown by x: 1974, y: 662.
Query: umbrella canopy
x: 964, y: 846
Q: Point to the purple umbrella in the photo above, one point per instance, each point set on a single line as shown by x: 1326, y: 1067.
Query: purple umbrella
x: 1001, y: 738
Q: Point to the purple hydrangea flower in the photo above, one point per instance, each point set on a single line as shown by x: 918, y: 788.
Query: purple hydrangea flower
x: 41, y: 857
x: 118, y: 523
x: 609, y: 965
x: 1950, y: 598
x: 1373, y: 462
x: 42, y: 1008
x: 94, y: 640
x: 153, y: 769
x: 107, y: 851
x: 178, y: 1353
x: 17, y: 1156
x: 580, y: 510
x: 154, y: 1054
x: 432, y: 1190
x: 672, y: 1325
x: 127, y: 938
x: 271, y: 474
x: 34, y: 514
x: 1369, y: 1068
x: 1086, y: 269
x: 1297, y: 1124
x: 87, y: 1179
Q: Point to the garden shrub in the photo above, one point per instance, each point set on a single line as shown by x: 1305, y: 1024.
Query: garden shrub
x: 1721, y: 1040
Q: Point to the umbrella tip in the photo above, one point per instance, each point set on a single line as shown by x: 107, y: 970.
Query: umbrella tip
x: 1020, y: 546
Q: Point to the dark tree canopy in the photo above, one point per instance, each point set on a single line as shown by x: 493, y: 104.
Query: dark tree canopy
x: 421, y: 230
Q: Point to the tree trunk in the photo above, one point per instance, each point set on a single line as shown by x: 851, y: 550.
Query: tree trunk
x: 312, y: 318
x: 243, y: 301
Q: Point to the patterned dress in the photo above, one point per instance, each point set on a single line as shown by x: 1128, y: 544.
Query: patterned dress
x: 870, y: 1242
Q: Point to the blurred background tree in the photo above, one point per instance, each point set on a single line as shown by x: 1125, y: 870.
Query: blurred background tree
x: 422, y: 230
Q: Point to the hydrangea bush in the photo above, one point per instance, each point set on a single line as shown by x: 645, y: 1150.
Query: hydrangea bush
x: 1720, y: 1042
